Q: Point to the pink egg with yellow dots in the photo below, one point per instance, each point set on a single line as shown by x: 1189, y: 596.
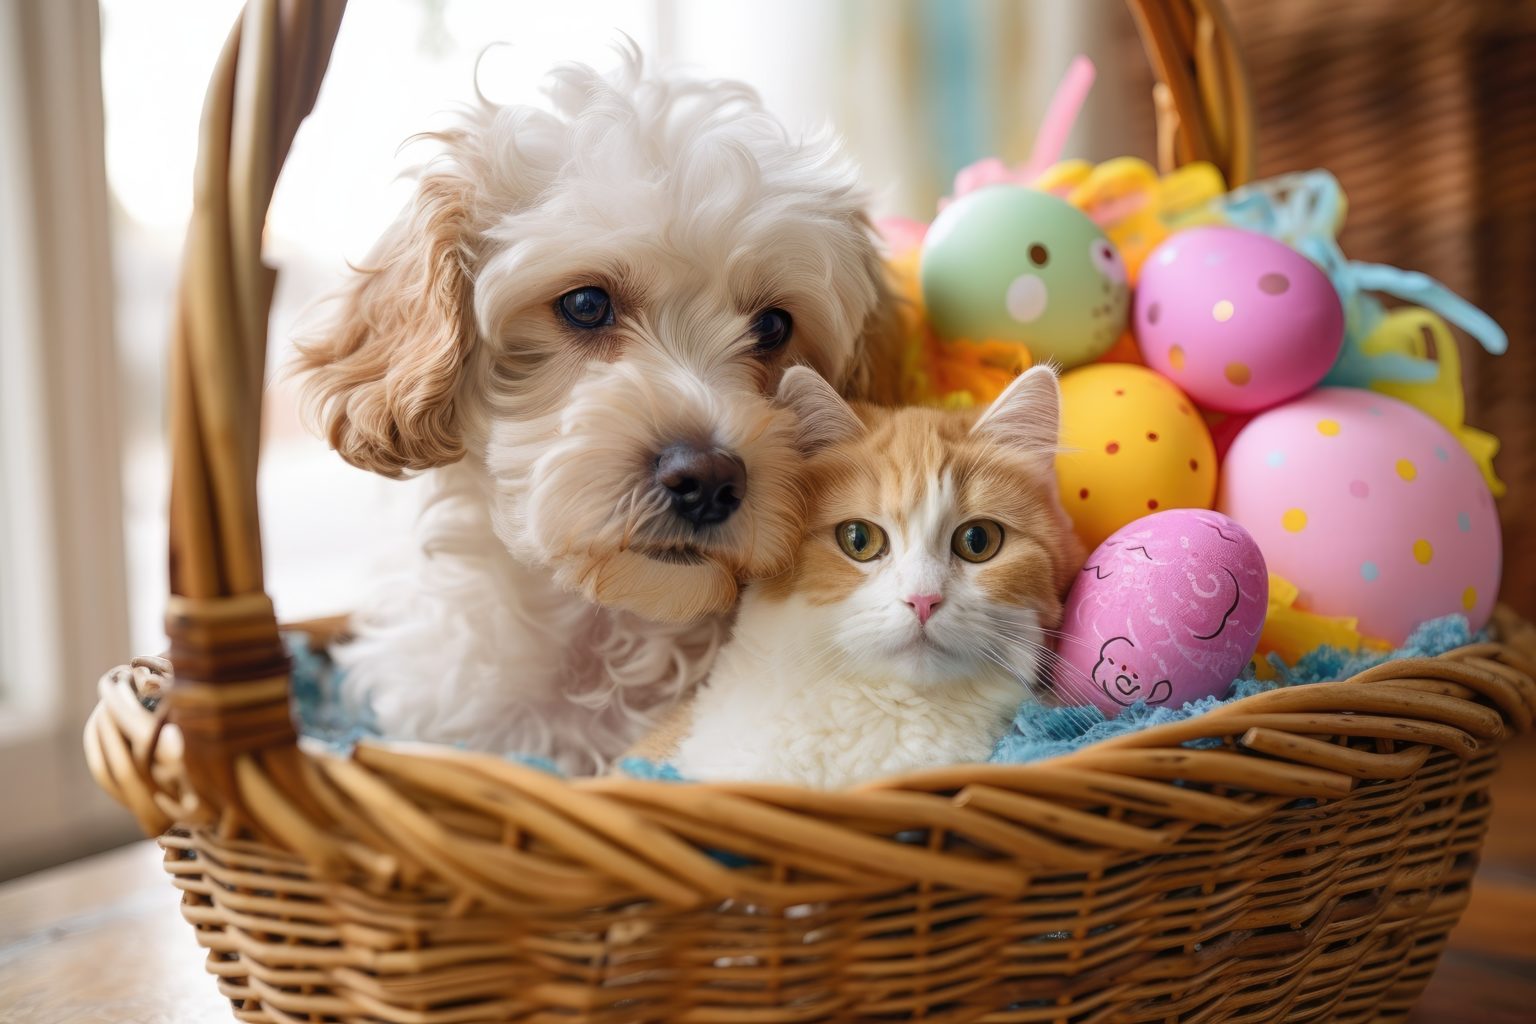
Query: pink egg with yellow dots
x: 1370, y: 507
x: 1238, y: 320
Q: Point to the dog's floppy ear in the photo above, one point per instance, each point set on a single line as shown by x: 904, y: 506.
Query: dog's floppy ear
x: 823, y: 418
x: 383, y: 382
x: 875, y: 374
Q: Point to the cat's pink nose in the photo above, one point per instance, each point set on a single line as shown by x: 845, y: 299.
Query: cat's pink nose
x: 923, y: 605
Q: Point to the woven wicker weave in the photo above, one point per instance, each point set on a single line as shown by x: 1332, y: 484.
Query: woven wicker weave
x: 1305, y: 864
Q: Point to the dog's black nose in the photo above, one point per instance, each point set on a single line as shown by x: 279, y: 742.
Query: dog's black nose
x: 706, y: 484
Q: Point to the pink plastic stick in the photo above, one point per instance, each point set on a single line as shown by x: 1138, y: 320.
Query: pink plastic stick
x: 1060, y: 117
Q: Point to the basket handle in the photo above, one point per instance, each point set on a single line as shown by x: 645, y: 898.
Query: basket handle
x: 231, y: 691
x: 1203, y: 100
x: 230, y: 697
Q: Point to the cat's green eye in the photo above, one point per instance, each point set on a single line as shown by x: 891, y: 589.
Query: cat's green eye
x: 861, y: 540
x: 977, y: 540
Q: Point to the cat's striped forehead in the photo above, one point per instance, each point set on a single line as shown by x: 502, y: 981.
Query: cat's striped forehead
x: 919, y: 474
x: 913, y: 463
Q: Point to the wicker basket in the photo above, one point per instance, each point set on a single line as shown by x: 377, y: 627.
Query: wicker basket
x: 1306, y: 866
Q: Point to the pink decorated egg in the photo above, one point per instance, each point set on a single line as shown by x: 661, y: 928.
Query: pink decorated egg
x: 1370, y: 507
x: 1238, y: 320
x: 1167, y: 610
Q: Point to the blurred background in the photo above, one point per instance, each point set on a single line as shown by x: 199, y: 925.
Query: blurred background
x: 1425, y: 109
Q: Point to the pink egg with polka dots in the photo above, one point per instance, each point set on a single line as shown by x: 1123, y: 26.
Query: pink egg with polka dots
x: 1370, y: 507
x: 1238, y: 320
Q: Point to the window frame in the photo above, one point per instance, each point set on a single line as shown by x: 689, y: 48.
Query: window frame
x: 64, y: 594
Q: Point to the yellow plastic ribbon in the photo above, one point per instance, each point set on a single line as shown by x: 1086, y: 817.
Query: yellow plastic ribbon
x: 957, y: 374
x: 1291, y: 632
x: 1422, y: 334
x: 1134, y: 205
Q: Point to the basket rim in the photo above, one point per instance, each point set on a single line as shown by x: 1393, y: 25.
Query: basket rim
x: 370, y: 811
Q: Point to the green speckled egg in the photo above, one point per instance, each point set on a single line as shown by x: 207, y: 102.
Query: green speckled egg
x: 1015, y: 264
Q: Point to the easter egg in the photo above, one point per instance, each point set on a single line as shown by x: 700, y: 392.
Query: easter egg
x: 1131, y: 443
x: 1237, y: 319
x: 1015, y: 264
x: 1370, y: 507
x: 1168, y: 610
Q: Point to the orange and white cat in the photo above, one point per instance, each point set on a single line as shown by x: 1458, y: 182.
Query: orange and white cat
x: 911, y: 626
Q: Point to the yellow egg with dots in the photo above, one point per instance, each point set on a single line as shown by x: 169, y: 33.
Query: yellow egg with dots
x: 1132, y: 444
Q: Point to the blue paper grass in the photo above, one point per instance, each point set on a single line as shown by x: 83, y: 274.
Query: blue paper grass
x: 1038, y: 731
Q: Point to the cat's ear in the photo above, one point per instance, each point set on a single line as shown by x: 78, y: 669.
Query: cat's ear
x: 824, y: 418
x: 1027, y: 415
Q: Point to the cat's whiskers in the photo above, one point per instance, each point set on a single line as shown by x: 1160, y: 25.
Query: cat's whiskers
x: 1082, y: 717
x: 1060, y: 636
x: 834, y: 652
x: 1070, y: 680
x: 1008, y: 667
x: 1071, y: 683
x: 1078, y: 679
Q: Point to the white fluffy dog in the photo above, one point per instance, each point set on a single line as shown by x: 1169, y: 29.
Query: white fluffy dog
x: 577, y: 325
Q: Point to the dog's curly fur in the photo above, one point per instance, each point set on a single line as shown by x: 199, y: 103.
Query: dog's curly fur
x: 544, y: 613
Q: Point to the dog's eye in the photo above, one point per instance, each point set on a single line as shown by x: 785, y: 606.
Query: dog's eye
x: 772, y: 329
x: 586, y: 308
